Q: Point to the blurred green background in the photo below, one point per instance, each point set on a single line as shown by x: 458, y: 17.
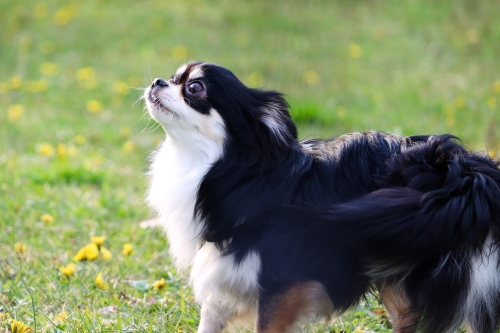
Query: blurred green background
x: 74, y: 142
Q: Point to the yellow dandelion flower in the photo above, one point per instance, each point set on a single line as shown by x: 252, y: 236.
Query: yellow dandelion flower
x: 128, y: 147
x: 160, y: 284
x: 254, y: 80
x: 37, y: 86
x: 68, y: 270
x: 62, y: 151
x: 460, y: 102
x: 355, y: 51
x: 64, y: 15
x: 19, y: 327
x: 85, y: 73
x: 15, y: 112
x: 127, y: 249
x: 46, y: 149
x: 91, y: 252
x: 80, y: 255
x: 20, y: 248
x: 47, y: 218
x: 121, y: 88
x: 341, y: 111
x: 179, y: 53
x: 48, y: 68
x: 4, y: 316
x: 80, y: 139
x: 310, y: 77
x: 94, y: 106
x: 88, y: 252
x: 15, y: 82
x: 62, y: 316
x: 105, y: 253
x: 40, y: 10
x: 496, y: 87
x: 98, y: 240
x: 358, y: 330
x: 492, y: 153
x: 492, y: 103
x: 100, y: 283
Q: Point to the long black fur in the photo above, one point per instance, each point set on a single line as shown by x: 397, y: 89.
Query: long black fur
x: 350, y: 211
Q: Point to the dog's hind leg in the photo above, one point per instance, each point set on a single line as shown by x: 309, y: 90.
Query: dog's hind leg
x: 398, y: 306
x: 283, y: 312
x: 212, y: 320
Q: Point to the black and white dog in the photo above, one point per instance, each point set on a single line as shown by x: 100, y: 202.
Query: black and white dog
x: 283, y: 231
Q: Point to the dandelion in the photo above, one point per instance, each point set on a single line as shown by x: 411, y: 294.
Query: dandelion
x: 98, y: 240
x: 85, y: 73
x: 19, y: 327
x: 121, y: 88
x: 106, y: 254
x: 48, y: 68
x: 88, y: 252
x: 492, y: 103
x: 80, y: 139
x: 254, y: 80
x: 71, y: 151
x: 4, y: 316
x: 128, y: 146
x: 355, y: 51
x: 37, y: 86
x: 160, y: 284
x: 47, y: 218
x: 310, y: 77
x: 496, y: 87
x: 20, y: 248
x: 46, y: 149
x: 15, y: 82
x: 127, y: 249
x: 64, y: 15
x: 100, y: 283
x: 179, y: 53
x: 68, y: 270
x: 40, y: 10
x: 94, y: 106
x: 61, y: 316
x: 62, y: 151
x: 492, y: 153
x: 15, y: 112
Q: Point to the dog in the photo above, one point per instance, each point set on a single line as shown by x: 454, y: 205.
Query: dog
x: 282, y: 231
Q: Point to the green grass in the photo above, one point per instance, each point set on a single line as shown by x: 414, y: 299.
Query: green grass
x: 408, y: 67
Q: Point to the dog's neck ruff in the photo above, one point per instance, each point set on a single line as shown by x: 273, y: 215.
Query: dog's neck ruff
x: 177, y: 169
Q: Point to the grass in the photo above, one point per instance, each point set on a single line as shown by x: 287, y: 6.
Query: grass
x: 73, y: 144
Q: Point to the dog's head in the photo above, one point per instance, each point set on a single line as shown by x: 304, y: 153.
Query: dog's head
x: 209, y: 102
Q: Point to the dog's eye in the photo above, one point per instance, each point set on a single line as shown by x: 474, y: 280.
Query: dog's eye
x: 195, y: 88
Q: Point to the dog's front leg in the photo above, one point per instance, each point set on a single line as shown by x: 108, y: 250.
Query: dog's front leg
x: 213, y: 318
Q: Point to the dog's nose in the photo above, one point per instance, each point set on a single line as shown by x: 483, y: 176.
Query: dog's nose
x: 159, y: 82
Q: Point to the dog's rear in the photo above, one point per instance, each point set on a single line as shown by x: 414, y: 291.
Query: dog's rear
x: 429, y: 237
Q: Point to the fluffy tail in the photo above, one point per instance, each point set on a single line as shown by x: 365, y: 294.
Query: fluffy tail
x: 437, y: 201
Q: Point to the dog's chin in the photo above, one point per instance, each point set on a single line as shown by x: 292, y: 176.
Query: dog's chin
x: 158, y: 110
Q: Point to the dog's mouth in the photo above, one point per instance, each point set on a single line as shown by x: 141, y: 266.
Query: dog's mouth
x: 155, y: 101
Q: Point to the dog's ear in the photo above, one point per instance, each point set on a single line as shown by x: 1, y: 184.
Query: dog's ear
x: 274, y: 113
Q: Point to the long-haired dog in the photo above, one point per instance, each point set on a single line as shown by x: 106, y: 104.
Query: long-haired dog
x: 286, y: 230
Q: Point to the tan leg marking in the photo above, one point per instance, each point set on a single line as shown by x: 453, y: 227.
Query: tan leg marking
x: 296, y: 304
x: 398, y: 306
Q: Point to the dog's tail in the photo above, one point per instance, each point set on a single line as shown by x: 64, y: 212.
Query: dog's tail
x: 436, y: 209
